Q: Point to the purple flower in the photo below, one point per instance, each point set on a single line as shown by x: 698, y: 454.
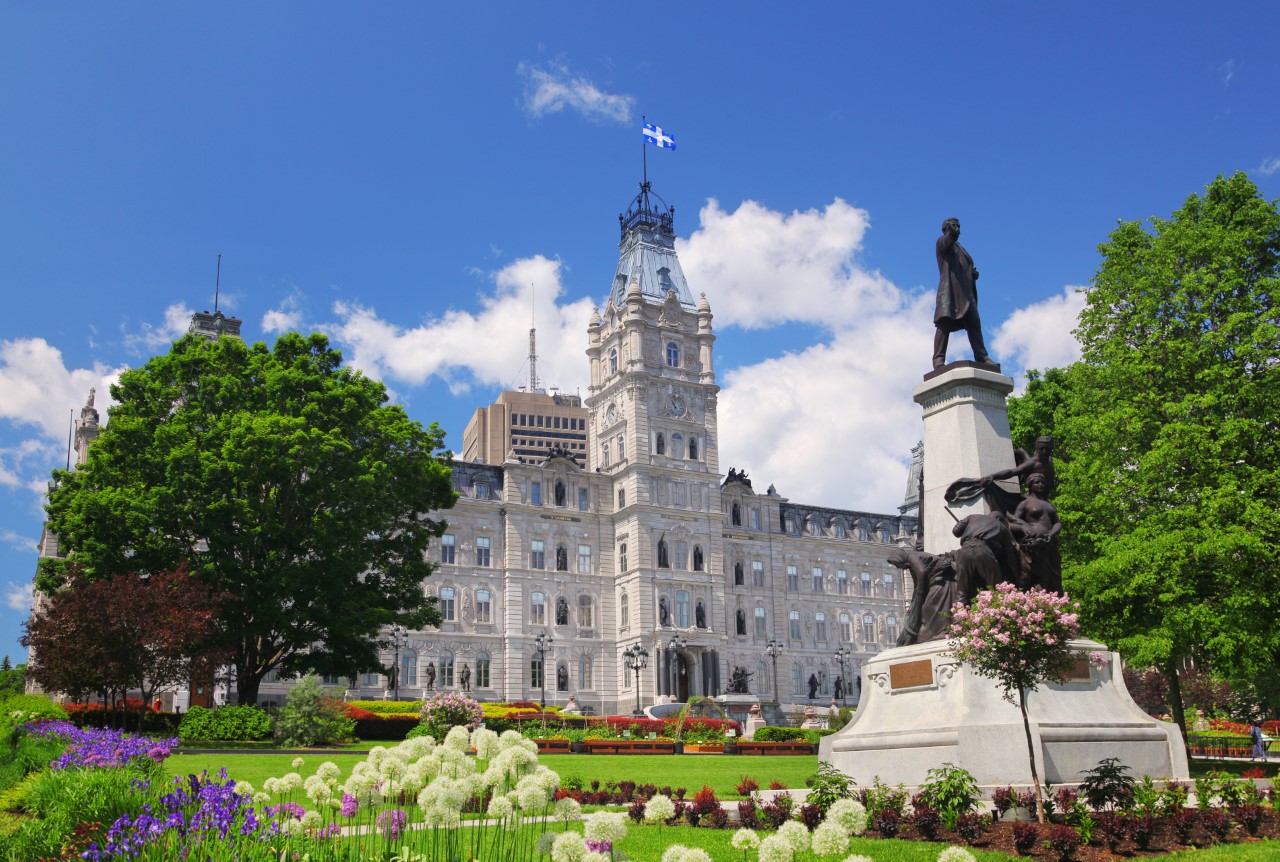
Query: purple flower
x: 391, y: 823
x: 350, y: 805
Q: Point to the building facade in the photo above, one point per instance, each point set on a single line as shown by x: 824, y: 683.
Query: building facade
x: 526, y: 426
x: 648, y: 543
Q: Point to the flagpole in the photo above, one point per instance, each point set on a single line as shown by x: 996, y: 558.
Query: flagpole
x: 644, y: 154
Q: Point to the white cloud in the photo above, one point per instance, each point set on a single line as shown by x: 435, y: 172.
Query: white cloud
x: 22, y: 543
x: 489, y: 346
x: 19, y: 596
x: 760, y: 267
x: 37, y: 389
x: 1268, y: 166
x: 151, y: 337
x: 285, y: 318
x: 553, y: 87
x: 1040, y: 335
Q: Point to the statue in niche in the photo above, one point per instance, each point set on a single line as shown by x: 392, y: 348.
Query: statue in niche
x: 562, y: 678
x: 430, y: 673
x: 664, y: 615
x: 560, y: 493
x: 739, y: 681
x: 742, y: 621
x: 562, y: 611
x: 464, y: 676
x: 700, y: 616
x: 813, y: 686
x: 697, y: 558
x: 934, y: 577
x: 664, y: 560
x: 957, y: 301
x: 562, y: 559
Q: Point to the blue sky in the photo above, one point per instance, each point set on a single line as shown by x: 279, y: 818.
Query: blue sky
x: 399, y: 176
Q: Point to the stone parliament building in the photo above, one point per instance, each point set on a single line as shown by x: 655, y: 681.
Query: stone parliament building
x: 648, y: 540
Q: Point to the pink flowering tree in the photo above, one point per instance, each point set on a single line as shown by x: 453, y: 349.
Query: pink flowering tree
x: 1019, y: 639
x: 450, y: 709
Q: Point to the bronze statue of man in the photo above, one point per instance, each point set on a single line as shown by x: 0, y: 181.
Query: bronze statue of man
x: 957, y: 304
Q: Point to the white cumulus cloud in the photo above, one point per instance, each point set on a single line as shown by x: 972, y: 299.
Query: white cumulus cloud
x: 1268, y: 166
x: 18, y: 596
x: 151, y: 337
x: 285, y: 318
x: 553, y: 87
x: 1040, y: 335
x: 37, y: 389
x: 14, y: 540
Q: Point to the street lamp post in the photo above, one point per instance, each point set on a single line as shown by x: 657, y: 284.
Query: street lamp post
x: 774, y: 649
x: 677, y: 643
x: 637, y: 658
x: 542, y: 643
x: 842, y: 656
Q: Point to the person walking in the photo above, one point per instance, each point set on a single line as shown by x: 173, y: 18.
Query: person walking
x: 1259, y: 742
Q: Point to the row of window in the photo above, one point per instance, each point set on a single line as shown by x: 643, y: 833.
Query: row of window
x: 677, y: 446
x: 672, y: 356
x: 844, y: 626
x: 443, y: 677
x: 527, y: 420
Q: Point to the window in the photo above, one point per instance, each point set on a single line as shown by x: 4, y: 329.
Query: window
x: 842, y: 582
x: 447, y: 601
x: 331, y: 679
x: 484, y: 606
x: 846, y: 628
x: 757, y: 573
x: 482, y: 670
x: 891, y: 628
x: 622, y: 448
x: 697, y: 558
x: 814, y: 528
x: 837, y: 526
x: 888, y: 584
x: 448, y: 544
x: 682, y: 609
x: 861, y: 531
x: 662, y: 444
x: 797, y: 680
x: 678, y: 494
x: 741, y: 619
x: 737, y: 574
x: 535, y: 671
x: 584, y: 673
x: 885, y: 536
x: 584, y: 559
x: 793, y: 620
x: 820, y: 626
x: 793, y: 579
x: 817, y: 580
x: 693, y: 448
x: 624, y: 612
x: 586, y: 612
x: 408, y: 669
x: 446, y: 670
x: 582, y: 499
x: 755, y: 519
x: 535, y: 489
x: 562, y: 559
x: 482, y: 551
x: 613, y: 361
x: 537, y: 554
x: 366, y: 679
x: 735, y: 515
x: 761, y: 629
x: 538, y: 609
x: 622, y: 498
x: 626, y: 675
x: 604, y: 454
x: 622, y: 557
x: 866, y: 583
x: 673, y: 354
x: 664, y: 558
x: 677, y: 445
x: 482, y: 491
x: 868, y: 628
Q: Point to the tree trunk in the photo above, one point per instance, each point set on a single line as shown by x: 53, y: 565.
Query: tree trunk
x: 1031, y: 755
x: 247, y: 686
x: 1175, y: 698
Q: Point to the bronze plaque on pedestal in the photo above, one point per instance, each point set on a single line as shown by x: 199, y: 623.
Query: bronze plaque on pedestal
x: 1079, y: 671
x: 909, y: 674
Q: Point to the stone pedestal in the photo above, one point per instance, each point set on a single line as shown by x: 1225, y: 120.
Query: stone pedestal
x: 966, y: 434
x: 921, y: 708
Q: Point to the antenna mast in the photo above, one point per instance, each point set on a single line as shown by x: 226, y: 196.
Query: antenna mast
x: 533, y: 345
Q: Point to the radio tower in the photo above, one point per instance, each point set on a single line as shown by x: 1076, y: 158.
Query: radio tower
x: 533, y: 346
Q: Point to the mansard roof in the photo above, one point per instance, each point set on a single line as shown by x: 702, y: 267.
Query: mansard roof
x: 647, y: 253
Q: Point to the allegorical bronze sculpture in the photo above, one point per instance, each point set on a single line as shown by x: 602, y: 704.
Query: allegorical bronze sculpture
x: 739, y: 680
x: 957, y: 302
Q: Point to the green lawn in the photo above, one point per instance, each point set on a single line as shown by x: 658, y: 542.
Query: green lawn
x: 689, y: 771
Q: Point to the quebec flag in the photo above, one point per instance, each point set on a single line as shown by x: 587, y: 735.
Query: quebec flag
x: 654, y: 135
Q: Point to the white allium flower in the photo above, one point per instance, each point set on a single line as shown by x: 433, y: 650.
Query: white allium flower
x: 297, y: 763
x: 392, y: 768
x: 696, y: 854
x: 290, y: 782
x: 569, y: 847
x: 244, y: 788
x: 533, y: 795
x: 500, y: 808
x: 595, y: 856
x: 485, y: 742
x: 775, y: 848
x: 261, y: 798
x: 956, y: 854
x: 858, y: 857
x: 330, y: 772
x: 745, y: 839
x: 674, y: 853
x: 608, y: 826
x: 375, y: 755
x: 795, y: 834
x: 458, y: 738
x: 441, y: 816
x: 419, y: 746
x: 289, y: 826
x: 830, y: 839
x: 510, y: 738
x: 568, y: 809
x: 311, y: 820
x: 659, y: 809
x: 850, y: 814
x: 316, y: 789
x: 271, y: 786
x: 442, y: 793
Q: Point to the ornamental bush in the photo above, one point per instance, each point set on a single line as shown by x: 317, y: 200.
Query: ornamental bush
x: 224, y: 723
x: 310, y: 717
x: 450, y: 709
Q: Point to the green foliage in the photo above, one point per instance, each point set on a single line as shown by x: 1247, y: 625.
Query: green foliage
x: 224, y: 723
x: 771, y: 733
x: 20, y: 708
x: 13, y: 680
x: 308, y: 489
x: 1169, y: 496
x: 388, y: 707
x: 310, y: 717
x: 1108, y: 786
x: 952, y: 790
x: 828, y: 785
x: 60, y: 800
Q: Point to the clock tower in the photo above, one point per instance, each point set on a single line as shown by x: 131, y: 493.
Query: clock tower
x: 652, y: 429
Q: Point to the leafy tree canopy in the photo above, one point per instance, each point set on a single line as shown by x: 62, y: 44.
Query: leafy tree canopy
x: 283, y: 479
x: 1171, y: 491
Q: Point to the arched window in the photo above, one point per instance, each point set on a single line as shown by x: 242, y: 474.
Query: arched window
x: 677, y: 446
x: 484, y: 606
x: 735, y: 515
x: 693, y: 448
x: 697, y: 558
x: 741, y: 617
x: 584, y: 673
x: 891, y: 628
x: 538, y: 608
x: 624, y: 612
x: 664, y: 559
x: 662, y: 444
x: 408, y: 669
x: 794, y: 619
x: 737, y: 575
x: 820, y: 626
x: 622, y: 557
x: 482, y: 679
x: 673, y: 354
x: 613, y: 361
x: 448, y: 603
x: 846, y: 628
x: 446, y: 670
x: 604, y: 454
x: 868, y: 628
x: 866, y: 583
x: 622, y: 448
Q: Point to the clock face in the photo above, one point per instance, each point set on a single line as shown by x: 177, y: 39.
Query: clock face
x: 676, y: 403
x: 611, y: 414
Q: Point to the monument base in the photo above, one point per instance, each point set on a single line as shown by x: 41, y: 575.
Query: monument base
x: 921, y: 708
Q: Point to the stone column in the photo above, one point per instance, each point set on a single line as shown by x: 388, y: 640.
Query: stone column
x: 966, y: 435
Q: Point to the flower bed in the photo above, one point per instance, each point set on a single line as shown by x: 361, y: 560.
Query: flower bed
x: 760, y: 748
x: 630, y: 746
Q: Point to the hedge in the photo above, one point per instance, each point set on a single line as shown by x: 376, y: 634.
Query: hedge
x: 224, y: 723
x: 389, y: 727
x: 388, y: 707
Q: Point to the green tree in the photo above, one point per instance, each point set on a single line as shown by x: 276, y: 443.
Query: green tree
x: 1037, y: 410
x: 1171, y: 493
x: 281, y: 478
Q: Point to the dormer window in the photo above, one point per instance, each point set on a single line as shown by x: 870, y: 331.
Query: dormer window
x: 673, y: 354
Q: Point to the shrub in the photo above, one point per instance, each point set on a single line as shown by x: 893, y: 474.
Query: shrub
x: 1064, y: 841
x: 636, y: 811
x: 969, y: 826
x: 1183, y: 823
x: 826, y: 786
x: 747, y: 786
x: 1112, y: 829
x: 1249, y: 816
x: 780, y: 734
x: 310, y: 717
x: 21, y: 708
x: 449, y: 709
x: 776, y: 811
x: 926, y: 820
x: 704, y: 802
x: 224, y: 723
x: 1003, y: 800
x: 810, y: 816
x: 1108, y: 785
x: 888, y: 822
x: 952, y: 791
x: 1217, y: 823
x: 1025, y: 836
x: 749, y: 815
x: 1141, y: 830
x: 390, y: 727
x: 386, y: 707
